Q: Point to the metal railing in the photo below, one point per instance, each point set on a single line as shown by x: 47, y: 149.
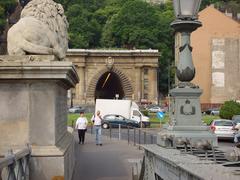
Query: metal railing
x: 134, y: 136
x: 15, y: 166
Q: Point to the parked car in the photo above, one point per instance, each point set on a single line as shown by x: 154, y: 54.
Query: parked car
x: 236, y: 119
x: 155, y: 109
x: 223, y: 128
x: 76, y: 109
x: 213, y: 111
x: 114, y: 120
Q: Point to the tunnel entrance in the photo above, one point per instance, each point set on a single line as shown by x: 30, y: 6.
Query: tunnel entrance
x: 108, y: 86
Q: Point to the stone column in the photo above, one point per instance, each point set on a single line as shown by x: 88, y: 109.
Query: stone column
x: 153, y: 85
x: 138, y: 84
x: 33, y: 109
x: 82, y: 85
x: 79, y: 95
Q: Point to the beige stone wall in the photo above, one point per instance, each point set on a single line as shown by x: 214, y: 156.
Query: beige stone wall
x: 216, y: 26
x: 127, y: 64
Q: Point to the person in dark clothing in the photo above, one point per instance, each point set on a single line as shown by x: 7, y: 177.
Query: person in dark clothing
x: 81, y: 126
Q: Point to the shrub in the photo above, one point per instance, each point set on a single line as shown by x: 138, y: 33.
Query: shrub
x: 229, y: 109
x: 145, y: 112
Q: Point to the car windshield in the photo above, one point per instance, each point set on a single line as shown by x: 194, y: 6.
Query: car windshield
x: 236, y: 121
x: 223, y: 123
x: 109, y: 117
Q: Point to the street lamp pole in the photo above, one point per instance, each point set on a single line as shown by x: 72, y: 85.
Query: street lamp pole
x: 185, y: 111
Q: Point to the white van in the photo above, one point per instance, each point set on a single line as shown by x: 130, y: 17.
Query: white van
x: 125, y: 108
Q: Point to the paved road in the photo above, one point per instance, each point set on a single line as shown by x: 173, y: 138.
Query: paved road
x: 112, y: 161
x: 115, y: 159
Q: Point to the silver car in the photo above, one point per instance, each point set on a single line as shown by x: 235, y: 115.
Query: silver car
x: 223, y: 128
x: 155, y: 109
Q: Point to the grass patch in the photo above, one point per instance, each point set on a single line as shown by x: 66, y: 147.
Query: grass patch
x: 209, y: 118
x: 72, y: 117
x: 155, y: 123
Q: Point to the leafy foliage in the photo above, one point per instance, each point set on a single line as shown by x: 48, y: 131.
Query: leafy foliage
x: 229, y: 109
x: 6, y: 7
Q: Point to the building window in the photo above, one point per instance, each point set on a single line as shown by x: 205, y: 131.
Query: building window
x: 145, y: 71
x: 145, y: 84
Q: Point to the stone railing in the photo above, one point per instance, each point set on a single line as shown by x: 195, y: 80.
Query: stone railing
x: 15, y: 166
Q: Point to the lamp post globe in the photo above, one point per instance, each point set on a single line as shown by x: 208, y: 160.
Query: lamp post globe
x: 186, y: 9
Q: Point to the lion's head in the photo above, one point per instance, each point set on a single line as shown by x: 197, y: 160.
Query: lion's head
x: 52, y: 14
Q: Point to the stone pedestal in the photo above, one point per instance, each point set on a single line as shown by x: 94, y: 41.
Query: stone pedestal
x: 186, y: 118
x: 33, y: 109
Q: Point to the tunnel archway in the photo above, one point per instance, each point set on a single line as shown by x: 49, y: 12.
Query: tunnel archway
x: 108, y: 85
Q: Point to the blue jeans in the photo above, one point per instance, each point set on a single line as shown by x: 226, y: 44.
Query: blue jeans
x: 98, y: 132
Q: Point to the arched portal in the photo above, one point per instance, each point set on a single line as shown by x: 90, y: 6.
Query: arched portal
x: 121, y: 77
x: 108, y: 86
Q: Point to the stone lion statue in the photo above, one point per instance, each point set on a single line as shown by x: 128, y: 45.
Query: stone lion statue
x: 42, y: 29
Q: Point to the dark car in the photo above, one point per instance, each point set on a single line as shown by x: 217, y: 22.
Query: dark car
x: 114, y: 120
x: 213, y: 111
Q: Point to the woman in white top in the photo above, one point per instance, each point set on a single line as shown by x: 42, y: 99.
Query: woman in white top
x: 81, y: 126
x: 97, y: 122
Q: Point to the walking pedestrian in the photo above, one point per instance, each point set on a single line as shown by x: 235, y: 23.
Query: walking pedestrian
x: 81, y: 126
x: 97, y: 122
x: 237, y: 134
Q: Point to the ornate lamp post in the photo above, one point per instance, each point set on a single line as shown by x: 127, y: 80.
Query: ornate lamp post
x: 185, y: 112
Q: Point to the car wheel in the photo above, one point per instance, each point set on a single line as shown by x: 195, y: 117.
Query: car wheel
x: 129, y: 125
x: 105, y: 126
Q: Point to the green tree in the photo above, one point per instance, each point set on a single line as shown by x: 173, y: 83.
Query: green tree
x: 8, y: 5
x: 229, y: 109
x: 84, y: 31
x: 2, y: 19
x: 6, y: 8
x: 135, y: 25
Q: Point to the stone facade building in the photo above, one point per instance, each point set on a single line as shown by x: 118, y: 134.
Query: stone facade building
x: 123, y: 74
x: 216, y: 56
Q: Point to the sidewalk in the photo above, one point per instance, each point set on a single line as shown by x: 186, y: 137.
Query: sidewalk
x: 112, y: 161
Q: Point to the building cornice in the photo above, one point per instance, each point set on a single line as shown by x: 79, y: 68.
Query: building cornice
x: 107, y: 53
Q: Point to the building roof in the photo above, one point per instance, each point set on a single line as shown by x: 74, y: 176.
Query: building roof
x: 218, y: 23
x: 113, y: 51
